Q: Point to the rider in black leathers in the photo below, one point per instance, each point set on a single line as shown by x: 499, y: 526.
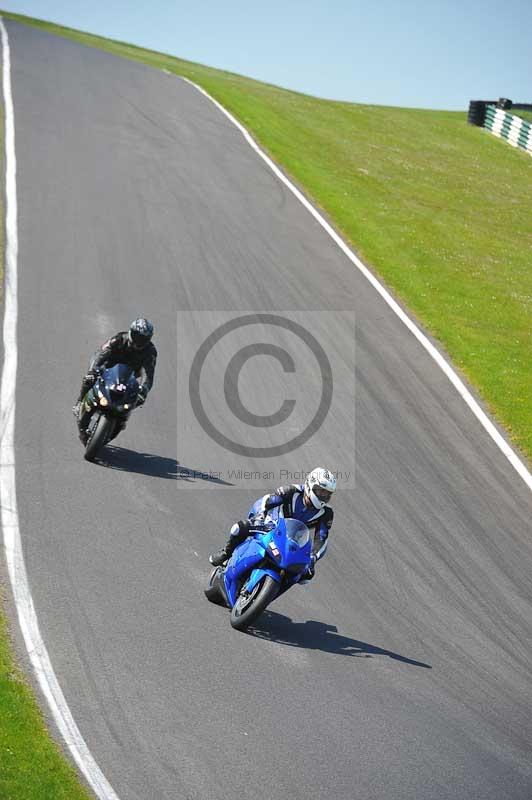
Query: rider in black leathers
x: 133, y: 347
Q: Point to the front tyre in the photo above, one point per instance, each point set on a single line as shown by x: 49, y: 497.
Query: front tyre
x: 250, y: 606
x: 102, y: 433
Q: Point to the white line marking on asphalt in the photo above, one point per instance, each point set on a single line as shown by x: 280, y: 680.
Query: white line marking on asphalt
x: 12, y: 542
x: 458, y: 384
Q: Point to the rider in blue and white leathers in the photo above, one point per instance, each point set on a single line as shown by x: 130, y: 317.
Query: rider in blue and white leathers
x: 306, y: 502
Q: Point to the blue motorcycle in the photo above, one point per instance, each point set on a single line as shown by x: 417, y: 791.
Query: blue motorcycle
x: 264, y: 566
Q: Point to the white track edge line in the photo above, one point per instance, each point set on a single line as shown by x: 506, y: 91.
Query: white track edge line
x: 27, y: 617
x: 444, y: 365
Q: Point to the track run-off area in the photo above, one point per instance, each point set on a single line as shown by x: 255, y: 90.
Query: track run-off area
x: 403, y: 669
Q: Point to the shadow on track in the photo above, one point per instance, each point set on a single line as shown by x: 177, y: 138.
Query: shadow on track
x: 314, y: 635
x: 126, y: 460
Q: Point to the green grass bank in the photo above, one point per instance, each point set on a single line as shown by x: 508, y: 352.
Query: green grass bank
x: 32, y: 766
x: 436, y: 207
x: 523, y: 114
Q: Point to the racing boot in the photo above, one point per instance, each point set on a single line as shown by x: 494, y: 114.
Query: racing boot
x: 238, y: 533
x: 219, y: 558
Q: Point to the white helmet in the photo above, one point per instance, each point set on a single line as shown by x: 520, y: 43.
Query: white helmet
x: 319, y: 486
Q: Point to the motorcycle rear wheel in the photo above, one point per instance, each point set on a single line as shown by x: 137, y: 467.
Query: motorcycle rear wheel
x: 213, y: 591
x: 102, y: 433
x: 248, y: 607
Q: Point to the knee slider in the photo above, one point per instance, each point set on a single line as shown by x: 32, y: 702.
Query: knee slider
x: 239, y: 531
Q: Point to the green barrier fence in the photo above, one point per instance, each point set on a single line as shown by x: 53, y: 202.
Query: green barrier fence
x: 515, y: 130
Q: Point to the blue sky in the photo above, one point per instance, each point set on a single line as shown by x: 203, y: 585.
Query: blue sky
x: 391, y: 52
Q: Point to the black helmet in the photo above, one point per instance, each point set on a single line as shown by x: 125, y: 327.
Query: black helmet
x: 140, y: 333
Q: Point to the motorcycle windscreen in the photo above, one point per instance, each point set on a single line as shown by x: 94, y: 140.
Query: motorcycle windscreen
x: 293, y: 540
x: 297, y: 532
x: 121, y: 383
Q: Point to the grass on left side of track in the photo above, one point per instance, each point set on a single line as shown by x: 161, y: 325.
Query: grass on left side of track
x: 32, y: 766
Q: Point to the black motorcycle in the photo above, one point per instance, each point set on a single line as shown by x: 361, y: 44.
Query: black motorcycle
x: 106, y: 407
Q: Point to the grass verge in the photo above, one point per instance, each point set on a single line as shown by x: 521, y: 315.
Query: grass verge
x: 523, y: 114
x: 32, y: 766
x: 438, y: 208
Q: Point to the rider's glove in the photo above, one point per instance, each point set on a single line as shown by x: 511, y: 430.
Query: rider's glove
x: 142, y: 395
x: 89, y: 378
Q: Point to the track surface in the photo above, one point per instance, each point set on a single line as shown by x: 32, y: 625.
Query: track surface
x: 404, y: 670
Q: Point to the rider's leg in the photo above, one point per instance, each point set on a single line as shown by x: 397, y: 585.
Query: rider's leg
x: 238, y: 533
x: 86, y: 383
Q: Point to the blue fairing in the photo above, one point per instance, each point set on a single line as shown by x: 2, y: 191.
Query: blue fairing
x: 245, y: 557
x: 284, y: 553
x: 257, y: 574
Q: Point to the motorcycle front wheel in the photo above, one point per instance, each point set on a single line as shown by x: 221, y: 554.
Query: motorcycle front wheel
x: 102, y: 433
x: 250, y: 606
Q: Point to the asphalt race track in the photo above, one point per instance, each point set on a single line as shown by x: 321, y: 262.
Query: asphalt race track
x: 403, y: 670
